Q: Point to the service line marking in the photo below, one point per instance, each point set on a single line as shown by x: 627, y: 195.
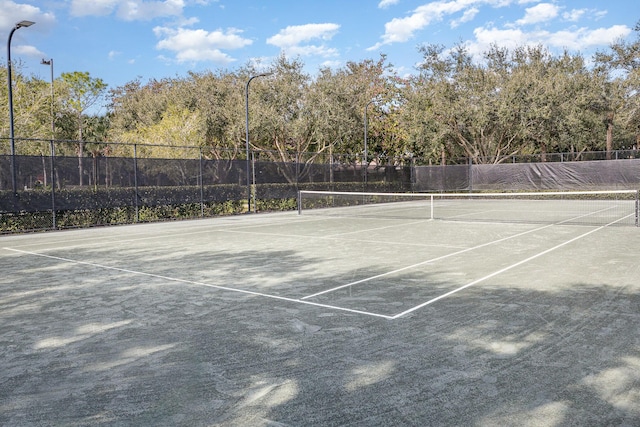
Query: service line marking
x: 191, y: 282
x: 495, y: 273
x: 419, y: 264
x: 409, y: 267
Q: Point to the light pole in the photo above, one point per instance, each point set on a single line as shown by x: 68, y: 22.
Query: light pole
x: 52, y: 147
x: 53, y: 122
x: 247, y: 138
x: 10, y: 93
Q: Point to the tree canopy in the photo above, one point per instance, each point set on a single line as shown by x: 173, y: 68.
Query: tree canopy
x: 514, y: 102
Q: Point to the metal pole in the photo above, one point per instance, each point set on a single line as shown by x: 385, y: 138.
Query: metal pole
x: 52, y: 144
x: 135, y: 181
x: 247, y: 138
x: 201, y: 179
x: 53, y: 122
x: 10, y: 93
x: 637, y: 208
x: 52, y: 149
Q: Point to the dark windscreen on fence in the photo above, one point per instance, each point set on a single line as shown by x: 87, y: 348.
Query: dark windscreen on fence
x: 131, y: 189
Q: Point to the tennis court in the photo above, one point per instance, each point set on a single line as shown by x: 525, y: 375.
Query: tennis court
x: 337, y: 319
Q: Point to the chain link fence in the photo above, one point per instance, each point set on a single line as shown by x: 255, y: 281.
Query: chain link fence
x: 128, y: 183
x: 47, y: 185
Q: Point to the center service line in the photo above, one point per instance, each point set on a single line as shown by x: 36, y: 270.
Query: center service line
x: 408, y: 267
x: 482, y: 279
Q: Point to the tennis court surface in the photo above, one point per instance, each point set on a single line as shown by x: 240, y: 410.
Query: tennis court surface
x: 296, y: 320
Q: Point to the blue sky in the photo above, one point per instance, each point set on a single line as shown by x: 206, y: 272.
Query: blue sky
x: 121, y: 40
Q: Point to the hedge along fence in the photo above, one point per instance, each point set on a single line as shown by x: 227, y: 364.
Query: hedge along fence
x: 51, y: 192
x: 85, y: 207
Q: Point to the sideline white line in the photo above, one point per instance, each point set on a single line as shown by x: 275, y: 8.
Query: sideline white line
x: 495, y: 273
x: 190, y: 282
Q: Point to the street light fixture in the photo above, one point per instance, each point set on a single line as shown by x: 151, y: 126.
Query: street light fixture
x: 247, y: 138
x: 10, y: 93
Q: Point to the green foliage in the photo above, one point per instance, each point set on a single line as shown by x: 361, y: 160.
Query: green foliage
x: 517, y: 101
x: 85, y: 207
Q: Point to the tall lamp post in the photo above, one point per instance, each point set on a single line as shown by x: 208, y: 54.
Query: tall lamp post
x: 52, y: 147
x: 10, y: 92
x: 247, y: 139
x: 53, y: 122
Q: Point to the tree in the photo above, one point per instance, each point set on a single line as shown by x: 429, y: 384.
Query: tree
x: 622, y: 67
x: 32, y: 112
x: 81, y: 92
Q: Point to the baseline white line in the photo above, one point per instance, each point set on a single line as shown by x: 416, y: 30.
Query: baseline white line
x: 190, y: 282
x: 482, y: 279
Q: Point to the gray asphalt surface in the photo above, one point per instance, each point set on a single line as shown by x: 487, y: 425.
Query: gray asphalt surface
x: 210, y: 323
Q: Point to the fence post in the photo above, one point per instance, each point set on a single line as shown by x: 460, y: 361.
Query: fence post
x: 254, y: 188
x: 52, y: 151
x: 201, y: 179
x: 413, y: 174
x: 297, y: 169
x: 135, y: 181
x: 470, y: 174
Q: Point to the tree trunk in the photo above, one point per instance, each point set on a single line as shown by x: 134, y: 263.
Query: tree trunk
x: 609, y: 135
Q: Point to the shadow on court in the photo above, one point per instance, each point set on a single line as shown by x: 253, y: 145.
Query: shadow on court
x: 83, y: 345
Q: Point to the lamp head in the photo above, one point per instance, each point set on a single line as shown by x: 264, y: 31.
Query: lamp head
x: 24, y: 24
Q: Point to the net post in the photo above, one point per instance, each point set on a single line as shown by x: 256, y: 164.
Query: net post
x: 637, y: 206
x: 299, y: 202
x: 431, y: 197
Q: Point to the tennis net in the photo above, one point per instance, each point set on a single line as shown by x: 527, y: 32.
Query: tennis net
x: 616, y: 207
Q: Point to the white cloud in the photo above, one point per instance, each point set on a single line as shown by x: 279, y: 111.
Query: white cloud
x: 296, y: 34
x: 467, y: 16
x: 128, y: 10
x: 605, y: 36
x: 331, y: 64
x: 403, y: 29
x: 542, y: 12
x: 575, y: 39
x: 400, y: 30
x: 13, y: 12
x: 312, y: 50
x: 200, y: 45
x: 27, y: 50
x: 293, y: 39
x: 386, y: 3
x: 574, y: 15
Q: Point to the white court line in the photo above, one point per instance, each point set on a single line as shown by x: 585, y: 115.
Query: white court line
x: 408, y: 267
x: 190, y: 282
x: 458, y: 253
x: 495, y: 273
